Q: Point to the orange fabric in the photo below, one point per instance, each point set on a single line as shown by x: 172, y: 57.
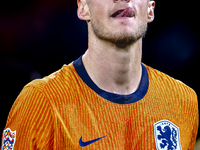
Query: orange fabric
x: 53, y: 113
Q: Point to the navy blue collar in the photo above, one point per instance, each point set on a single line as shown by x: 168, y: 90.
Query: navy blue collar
x: 115, y: 98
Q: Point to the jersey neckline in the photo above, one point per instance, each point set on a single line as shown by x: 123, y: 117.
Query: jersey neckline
x: 115, y: 98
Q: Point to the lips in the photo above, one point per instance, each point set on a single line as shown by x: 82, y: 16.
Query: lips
x: 128, y: 12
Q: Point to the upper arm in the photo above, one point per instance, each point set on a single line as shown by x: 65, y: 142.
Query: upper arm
x: 195, y: 124
x: 31, y: 119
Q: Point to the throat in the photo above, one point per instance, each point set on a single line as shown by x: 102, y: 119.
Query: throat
x: 126, y: 81
x: 113, y: 69
x: 121, y: 77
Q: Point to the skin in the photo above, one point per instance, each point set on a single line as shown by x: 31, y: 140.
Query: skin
x: 113, y: 58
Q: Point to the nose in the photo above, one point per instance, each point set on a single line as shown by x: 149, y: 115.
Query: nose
x: 115, y: 1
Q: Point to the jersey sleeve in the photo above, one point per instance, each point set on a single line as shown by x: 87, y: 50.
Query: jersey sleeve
x: 29, y: 122
x: 196, y: 124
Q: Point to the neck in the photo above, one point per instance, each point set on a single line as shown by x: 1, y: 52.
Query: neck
x: 112, y: 68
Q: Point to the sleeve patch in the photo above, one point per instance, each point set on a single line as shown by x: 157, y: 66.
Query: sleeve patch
x: 9, y: 138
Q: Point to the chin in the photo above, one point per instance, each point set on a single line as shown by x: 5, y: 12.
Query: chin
x: 118, y: 34
x: 123, y: 40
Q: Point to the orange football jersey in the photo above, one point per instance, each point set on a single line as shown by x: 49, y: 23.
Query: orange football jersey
x: 67, y: 111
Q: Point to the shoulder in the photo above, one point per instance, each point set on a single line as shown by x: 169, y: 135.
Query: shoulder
x: 168, y: 84
x: 56, y: 79
x: 57, y: 87
x: 47, y: 88
x: 40, y: 93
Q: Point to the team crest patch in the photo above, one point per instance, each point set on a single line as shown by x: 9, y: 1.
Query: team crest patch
x: 167, y: 136
x: 9, y: 138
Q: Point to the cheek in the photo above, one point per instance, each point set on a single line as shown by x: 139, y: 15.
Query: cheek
x: 142, y: 10
x: 98, y: 10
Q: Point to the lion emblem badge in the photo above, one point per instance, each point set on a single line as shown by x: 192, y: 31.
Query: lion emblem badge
x: 167, y: 136
x: 9, y: 138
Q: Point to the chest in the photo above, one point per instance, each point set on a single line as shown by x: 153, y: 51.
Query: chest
x: 138, y: 126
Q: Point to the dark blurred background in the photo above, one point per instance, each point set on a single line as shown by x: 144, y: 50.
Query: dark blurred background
x: 38, y: 36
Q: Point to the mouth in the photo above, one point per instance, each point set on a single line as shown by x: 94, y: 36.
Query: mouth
x: 128, y: 12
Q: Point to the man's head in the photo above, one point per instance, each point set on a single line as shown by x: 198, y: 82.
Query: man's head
x: 117, y: 21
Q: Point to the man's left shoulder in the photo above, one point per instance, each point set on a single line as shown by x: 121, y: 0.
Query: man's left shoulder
x: 185, y: 91
x: 170, y: 85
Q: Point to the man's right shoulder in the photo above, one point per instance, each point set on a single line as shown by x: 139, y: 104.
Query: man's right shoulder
x: 63, y: 76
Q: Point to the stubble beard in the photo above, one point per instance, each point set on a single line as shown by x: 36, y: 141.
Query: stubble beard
x: 122, y: 38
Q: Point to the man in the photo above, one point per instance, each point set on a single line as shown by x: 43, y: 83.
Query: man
x: 106, y: 99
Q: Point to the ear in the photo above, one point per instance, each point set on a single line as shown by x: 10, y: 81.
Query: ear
x: 151, y: 8
x: 83, y: 10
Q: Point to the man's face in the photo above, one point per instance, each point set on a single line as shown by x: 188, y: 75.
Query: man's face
x: 118, y: 21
